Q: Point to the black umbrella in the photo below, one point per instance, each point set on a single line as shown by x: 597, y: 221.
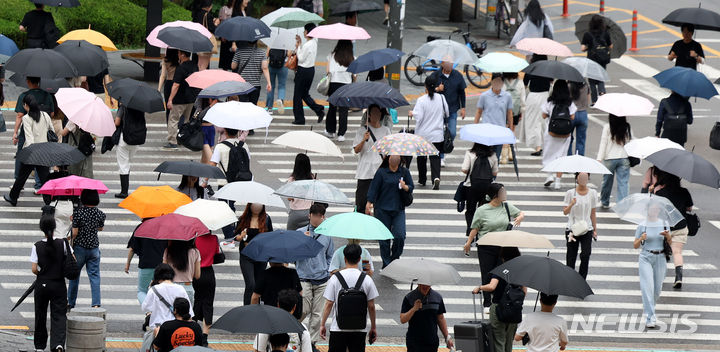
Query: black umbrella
x: 136, y: 95
x: 50, y: 154
x: 192, y: 349
x: 24, y: 295
x: 189, y: 168
x: 59, y: 3
x: 50, y: 85
x: 699, y: 17
x: 544, y: 274
x: 185, y: 39
x: 43, y: 63
x: 241, y: 28
x: 366, y: 93
x: 686, y: 165
x: 555, y: 70
x: 89, y: 60
x: 258, y: 319
x: 375, y: 59
x: 359, y: 6
x: 617, y: 36
x: 226, y: 89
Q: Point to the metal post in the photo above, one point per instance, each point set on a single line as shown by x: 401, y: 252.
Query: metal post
x: 490, y: 15
x: 395, y: 38
x: 153, y: 19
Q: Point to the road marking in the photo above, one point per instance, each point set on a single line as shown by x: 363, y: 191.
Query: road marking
x: 636, y: 66
x: 648, y: 88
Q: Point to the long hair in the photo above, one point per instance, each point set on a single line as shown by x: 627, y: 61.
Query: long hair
x: 184, y: 181
x: 666, y: 179
x: 597, y: 24
x: 430, y: 85
x: 236, y: 9
x: 177, y: 254
x: 575, y: 89
x: 619, y: 129
x: 534, y: 12
x: 246, y: 217
x: 47, y: 225
x: 302, y: 169
x: 33, y: 107
x: 481, y: 150
x: 538, y: 57
x: 343, y: 53
x: 560, y: 93
x: 171, y: 57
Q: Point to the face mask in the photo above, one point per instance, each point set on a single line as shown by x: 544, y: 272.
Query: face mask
x: 256, y: 208
x: 582, y: 179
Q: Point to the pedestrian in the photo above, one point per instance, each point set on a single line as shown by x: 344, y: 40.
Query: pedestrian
x: 182, y: 96
x: 221, y: 157
x: 687, y: 52
x: 80, y: 139
x: 190, y: 186
x: 36, y: 23
x: 451, y: 84
x: 338, y: 61
x: 532, y: 127
x: 350, y: 333
x: 337, y: 262
x: 430, y: 113
x: 181, y: 331
x: 47, y: 258
x: 168, y: 65
x: 184, y: 258
x: 546, y: 330
x: 278, y: 78
x: 579, y: 206
x: 208, y: 128
x: 275, y: 279
x: 495, y: 107
x: 46, y: 103
x: 558, y: 107
x: 288, y: 301
x: 224, y: 53
x: 480, y: 165
x: 496, y: 215
x: 537, y: 24
x: 204, y: 286
x: 306, y: 54
x: 251, y: 62
x: 298, y: 214
x: 386, y: 8
x: 253, y: 221
x: 150, y: 255
x: 596, y: 41
x: 87, y: 220
x: 133, y: 134
x: 612, y: 153
x: 673, y: 117
x: 513, y: 85
x: 241, y: 8
x: 580, y: 94
x: 368, y: 160
x: 424, y: 311
x: 204, y: 17
x: 313, y: 6
x: 162, y: 286
x: 98, y: 85
x: 387, y: 204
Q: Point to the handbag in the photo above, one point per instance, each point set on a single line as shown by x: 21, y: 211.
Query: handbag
x: 51, y: 136
x: 292, y: 62
x: 460, y: 195
x: 448, y: 146
x: 219, y: 257
x: 693, y: 223
x: 580, y: 227
x: 715, y: 136
x: 510, y: 224
x: 71, y: 270
x: 323, y: 87
x: 633, y: 161
x: 406, y: 197
x: 547, y: 33
x: 190, y: 134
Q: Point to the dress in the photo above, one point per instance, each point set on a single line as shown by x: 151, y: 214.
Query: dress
x: 554, y: 147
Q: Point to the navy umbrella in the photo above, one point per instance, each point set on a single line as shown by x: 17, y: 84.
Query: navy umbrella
x: 554, y: 70
x: 699, y: 17
x: 282, y: 246
x: 359, y: 6
x: 43, y: 63
x: 374, y: 60
x: 686, y: 165
x: 686, y: 82
x: 59, y: 3
x: 258, y: 319
x: 89, y: 59
x: 189, y: 168
x: 185, y: 39
x: 50, y: 85
x: 366, y: 93
x: 226, y: 89
x: 50, y: 154
x: 136, y: 95
x: 241, y: 28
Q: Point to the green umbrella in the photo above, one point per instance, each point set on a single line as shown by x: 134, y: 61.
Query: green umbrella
x: 296, y: 19
x: 354, y: 226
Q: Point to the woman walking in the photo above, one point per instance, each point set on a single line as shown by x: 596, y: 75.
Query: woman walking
x: 368, y: 160
x: 75, y: 134
x: 338, y: 61
x: 134, y: 132
x: 531, y: 127
x: 87, y: 220
x: 480, y: 166
x: 612, y: 153
x: 190, y: 186
x: 167, y: 72
x: 430, y: 114
x: 580, y: 94
x: 204, y: 286
x: 559, y: 104
x: 225, y: 53
x: 184, y: 258
x: 150, y: 255
x: 537, y: 24
x: 596, y: 41
x: 253, y: 221
x: 299, y: 208
x: 250, y: 62
x: 162, y: 286
x: 278, y: 78
x: 579, y: 206
x: 306, y: 55
x: 204, y: 17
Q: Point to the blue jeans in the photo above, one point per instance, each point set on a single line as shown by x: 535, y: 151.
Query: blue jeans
x: 580, y: 123
x: 281, y: 75
x: 620, y: 169
x: 144, y: 278
x: 651, y: 269
x: 452, y: 126
x: 394, y: 220
x: 90, y: 259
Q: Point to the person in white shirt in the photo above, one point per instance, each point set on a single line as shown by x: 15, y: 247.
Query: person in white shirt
x: 430, y: 113
x: 163, y: 286
x: 287, y: 300
x: 579, y: 206
x: 368, y: 160
x: 220, y: 157
x: 338, y: 61
x: 304, y: 76
x: 556, y: 146
x: 547, y: 331
x: 612, y: 153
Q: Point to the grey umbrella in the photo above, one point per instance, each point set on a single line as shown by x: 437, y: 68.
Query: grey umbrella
x: 359, y: 6
x: 258, y: 319
x: 686, y: 165
x: 555, y: 70
x: 136, y: 95
x: 313, y: 190
x: 226, y: 89
x: 185, y: 39
x: 421, y: 271
x: 88, y: 59
x: 50, y: 154
x: 43, y: 63
x: 50, y: 85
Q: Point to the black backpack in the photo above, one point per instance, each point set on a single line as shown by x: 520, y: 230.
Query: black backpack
x: 134, y: 128
x: 276, y: 58
x: 351, y: 305
x: 509, y: 310
x: 85, y: 143
x: 306, y: 5
x: 675, y: 124
x: 481, y: 171
x: 238, y: 168
x: 190, y: 134
x: 599, y: 51
x: 560, y: 121
x: 51, y: 32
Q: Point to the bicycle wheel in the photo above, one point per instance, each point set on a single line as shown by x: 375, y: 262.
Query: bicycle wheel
x: 417, y: 69
x: 477, y: 77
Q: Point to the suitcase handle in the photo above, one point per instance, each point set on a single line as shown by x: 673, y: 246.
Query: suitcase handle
x: 482, y: 312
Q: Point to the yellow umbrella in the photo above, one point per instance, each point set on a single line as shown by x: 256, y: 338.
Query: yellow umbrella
x: 91, y: 36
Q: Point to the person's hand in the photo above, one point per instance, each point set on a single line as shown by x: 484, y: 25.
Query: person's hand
x: 571, y: 237
x: 373, y: 333
x: 323, y: 332
x: 595, y: 235
x: 307, y: 233
x: 217, y: 22
x: 462, y: 113
x: 366, y: 136
x: 643, y: 237
x: 169, y: 105
x: 573, y: 201
x: 449, y: 343
x: 369, y: 211
x: 466, y: 247
x: 672, y: 56
x: 15, y: 139
x: 418, y: 305
x: 476, y: 290
x: 404, y: 186
x: 410, y: 113
x: 298, y: 40
x: 127, y: 268
x: 693, y: 53
x: 269, y: 87
x: 440, y: 88
x: 666, y: 234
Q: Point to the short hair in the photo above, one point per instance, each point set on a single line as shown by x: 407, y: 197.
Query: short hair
x: 494, y: 189
x: 352, y: 253
x: 318, y: 209
x: 33, y: 80
x: 309, y: 27
x: 231, y: 131
x: 90, y: 197
x: 181, y: 306
x: 39, y: 5
x: 689, y: 26
x: 496, y: 75
x: 509, y: 253
x: 548, y: 300
x: 279, y: 340
x: 163, y: 272
x: 287, y: 299
x: 186, y: 53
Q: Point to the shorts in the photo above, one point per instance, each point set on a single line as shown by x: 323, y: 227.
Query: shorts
x: 680, y: 236
x: 208, y: 135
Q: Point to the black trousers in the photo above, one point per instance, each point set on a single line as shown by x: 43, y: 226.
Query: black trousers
x: 251, y: 97
x: 23, y: 174
x: 434, y: 165
x: 347, y: 341
x: 167, y: 90
x: 584, y: 243
x: 204, y: 295
x: 489, y: 258
x: 475, y: 197
x: 301, y: 92
x: 413, y: 345
x: 54, y: 293
x: 252, y: 271
x: 226, y: 56
x: 361, y: 195
x: 334, y: 110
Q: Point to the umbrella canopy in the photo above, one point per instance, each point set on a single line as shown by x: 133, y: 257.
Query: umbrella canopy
x: 150, y: 202
x: 241, y: 28
x: 501, y: 62
x: 281, y: 38
x: 226, y: 89
x: 309, y: 141
x: 59, y: 3
x: 50, y: 154
x: 213, y: 213
x: 354, y: 226
x: 686, y: 82
x: 296, y: 19
x: 375, y: 59
x: 189, y: 168
x: 647, y: 209
x: 487, y: 134
x: 313, y: 190
x: 43, y: 63
x: 50, y: 85
x: 239, y: 116
x: 86, y: 110
x: 405, y: 144
x: 192, y: 349
x: 206, y: 78
x: 7, y: 47
x: 617, y: 36
x: 686, y: 165
x: 171, y: 227
x: 185, y: 39
x: 153, y: 40
x: 555, y: 70
x: 258, y: 319
x: 89, y: 60
x: 282, y: 246
x: 643, y: 147
x: 588, y: 68
x: 339, y: 31
x: 136, y: 95
x: 91, y: 36
x: 71, y: 186
x: 447, y: 50
x: 544, y: 274
x: 422, y: 271
x: 367, y: 93
x: 624, y: 104
x: 359, y: 6
x: 544, y: 46
x: 514, y: 238
x: 699, y: 17
x: 576, y: 163
x: 250, y: 192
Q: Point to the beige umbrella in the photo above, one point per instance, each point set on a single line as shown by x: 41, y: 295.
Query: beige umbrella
x: 514, y: 238
x: 309, y: 141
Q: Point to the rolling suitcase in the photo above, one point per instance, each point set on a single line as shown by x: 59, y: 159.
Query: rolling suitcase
x: 475, y: 335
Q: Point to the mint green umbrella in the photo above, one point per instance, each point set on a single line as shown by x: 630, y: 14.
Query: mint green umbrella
x: 354, y: 226
x: 296, y: 19
x: 501, y: 62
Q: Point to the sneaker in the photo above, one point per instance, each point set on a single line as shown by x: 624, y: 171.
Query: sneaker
x: 606, y: 206
x: 269, y: 111
x: 557, y: 183
x: 442, y: 162
x: 59, y: 348
x: 170, y: 146
x: 328, y: 134
x: 341, y: 138
x: 537, y: 153
x: 486, y: 310
x: 549, y: 180
x: 280, y: 106
x: 298, y: 123
x: 650, y: 326
x: 386, y: 21
x: 436, y: 184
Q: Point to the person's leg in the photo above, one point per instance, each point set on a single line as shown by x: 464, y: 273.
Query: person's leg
x: 497, y: 329
x: 607, y: 182
x: 342, y: 120
x: 281, y: 81
x: 510, y: 330
x: 337, y: 341
x: 471, y: 204
x: 647, y: 284
x: 58, y: 314
x: 93, y: 271
x: 488, y: 258
x: 41, y: 297
x: 21, y: 141
x: 435, y: 162
x: 316, y: 310
x: 571, y: 251
x: 81, y: 256
x: 679, y: 239
x: 622, y: 174
x: 422, y: 170
x: 172, y: 125
x: 259, y: 270
x: 398, y: 231
x: 298, y: 93
x: 144, y: 278
x: 593, y: 90
x: 356, y: 341
x: 229, y: 230
x: 581, y: 124
x: 309, y: 101
x: 659, y: 271
x: 601, y: 88
x: 248, y: 273
x: 254, y: 96
x: 167, y: 90
x: 17, y: 186
x: 586, y: 250
x: 386, y: 219
x: 361, y: 195
x: 330, y: 117
x: 270, y: 99
x: 498, y: 151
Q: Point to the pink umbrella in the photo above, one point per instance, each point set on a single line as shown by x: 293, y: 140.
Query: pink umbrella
x: 154, y: 41
x: 624, y: 104
x: 544, y: 46
x: 171, y: 227
x: 339, y: 31
x: 86, y: 110
x: 206, y: 78
x: 71, y: 186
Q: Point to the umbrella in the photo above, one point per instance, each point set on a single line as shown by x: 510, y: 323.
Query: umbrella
x: 359, y: 6
x: 367, y: 93
x: 71, y: 186
x: 50, y: 154
x: 405, y: 144
x: 422, y: 271
x: 576, y: 163
x: 313, y: 190
x: 487, y: 134
x: 447, y: 50
x: 171, y: 227
x: 213, y: 213
x: 588, y: 68
x: 624, y: 104
x: 501, y: 62
x: 544, y: 274
x: 282, y: 246
x: 239, y: 116
x: 296, y: 19
x: 50, y: 85
x: 136, y: 95
x: 555, y: 70
x: 185, y: 39
x: 89, y: 60
x: 150, y: 202
x: 617, y: 36
x: 514, y: 238
x: 24, y: 295
x: 339, y: 31
x: 43, y: 63
x: 309, y: 141
x: 354, y: 226
x: 686, y: 165
x: 686, y: 82
x: 153, y: 40
x: 226, y: 89
x: 241, y: 28
x: 60, y: 3
x: 643, y: 147
x: 7, y: 46
x: 699, y: 17
x: 258, y: 319
x: 86, y: 110
x: 544, y: 46
x: 91, y: 36
x: 206, y: 78
x: 636, y: 208
x: 250, y: 192
x: 192, y: 349
x: 189, y: 168
x: 375, y: 59
x: 281, y: 38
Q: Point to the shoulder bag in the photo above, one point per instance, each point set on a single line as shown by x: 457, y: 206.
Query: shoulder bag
x: 71, y: 270
x: 510, y: 224
x: 219, y: 257
x: 579, y: 227
x: 292, y: 62
x: 448, y: 146
x: 51, y: 136
x: 460, y: 196
x: 547, y: 33
x: 406, y: 197
x: 693, y: 223
x: 323, y: 87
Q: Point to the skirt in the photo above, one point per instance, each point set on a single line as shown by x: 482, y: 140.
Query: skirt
x: 532, y: 127
x: 554, y: 148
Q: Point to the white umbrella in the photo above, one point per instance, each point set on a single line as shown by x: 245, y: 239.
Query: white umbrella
x: 422, y: 271
x: 624, y: 104
x: 250, y: 192
x: 644, y: 147
x: 212, y: 213
x: 310, y: 141
x: 588, y: 68
x: 281, y: 38
x: 501, y: 62
x: 239, y: 116
x: 576, y: 163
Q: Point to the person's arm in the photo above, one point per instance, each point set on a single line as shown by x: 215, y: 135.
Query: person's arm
x: 478, y: 114
x: 325, y: 315
x: 255, y: 299
x: 74, y: 232
x: 129, y: 258
x: 471, y: 238
x: 593, y: 220
x: 489, y: 287
x: 442, y: 324
x: 639, y: 237
x: 107, y: 79
x: 689, y: 113
x: 34, y: 268
x: 510, y: 119
x: 463, y: 99
x: 371, y: 312
x: 29, y: 138
x: 198, y: 269
x: 373, y: 192
x: 660, y: 118
x: 604, y: 140
x: 18, y: 123
x: 405, y: 317
x: 163, y: 74
x: 266, y: 73
x: 173, y: 92
x: 570, y: 203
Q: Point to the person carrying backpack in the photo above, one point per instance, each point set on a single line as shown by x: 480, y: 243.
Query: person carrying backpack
x: 596, y: 41
x: 233, y: 165
x: 480, y: 167
x: 560, y: 110
x: 674, y: 114
x: 350, y: 296
x: 133, y: 132
x: 85, y: 142
x: 277, y: 70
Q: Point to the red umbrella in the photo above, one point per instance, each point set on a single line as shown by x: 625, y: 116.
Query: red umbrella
x: 171, y: 227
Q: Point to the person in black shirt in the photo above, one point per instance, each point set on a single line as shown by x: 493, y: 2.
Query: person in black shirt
x: 179, y: 332
x: 182, y: 97
x: 203, y: 16
x: 133, y: 133
x: 674, y: 129
x: 150, y: 254
x: 276, y: 278
x: 424, y: 309
x: 686, y: 52
x: 34, y: 24
x: 595, y: 40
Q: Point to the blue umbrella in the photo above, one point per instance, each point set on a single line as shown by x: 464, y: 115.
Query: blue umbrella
x: 362, y: 94
x: 489, y: 134
x: 686, y: 82
x: 7, y: 48
x: 374, y: 60
x: 241, y: 28
x: 282, y: 246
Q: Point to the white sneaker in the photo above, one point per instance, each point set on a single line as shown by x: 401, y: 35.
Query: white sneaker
x: 280, y: 106
x: 341, y: 138
x: 549, y: 180
x: 486, y: 310
x: 442, y: 162
x: 269, y: 110
x: 328, y: 134
x: 557, y: 183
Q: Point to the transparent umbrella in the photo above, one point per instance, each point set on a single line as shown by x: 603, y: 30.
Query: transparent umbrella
x: 647, y: 209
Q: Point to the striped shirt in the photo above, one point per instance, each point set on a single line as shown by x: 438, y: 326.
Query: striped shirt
x: 252, y: 58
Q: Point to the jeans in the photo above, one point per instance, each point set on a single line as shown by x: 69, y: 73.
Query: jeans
x: 651, y: 269
x: 90, y: 259
x: 333, y: 110
x: 584, y: 243
x: 498, y: 151
x: 313, y: 305
x: 580, y: 124
x: 281, y: 75
x: 620, y: 169
x: 342, y: 341
x: 251, y: 272
x: 145, y: 276
x: 301, y: 92
x: 452, y: 126
x: 434, y: 166
x: 229, y: 230
x: 54, y: 293
x: 503, y: 333
x: 596, y: 88
x: 394, y: 220
x: 489, y: 258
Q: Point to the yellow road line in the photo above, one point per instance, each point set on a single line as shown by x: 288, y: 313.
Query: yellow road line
x: 575, y: 14
x: 14, y: 327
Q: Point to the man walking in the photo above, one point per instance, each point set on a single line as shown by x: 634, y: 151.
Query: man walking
x: 687, y: 52
x: 35, y: 23
x: 547, y: 331
x: 424, y: 309
x: 182, y: 97
x: 452, y: 85
x: 495, y: 107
